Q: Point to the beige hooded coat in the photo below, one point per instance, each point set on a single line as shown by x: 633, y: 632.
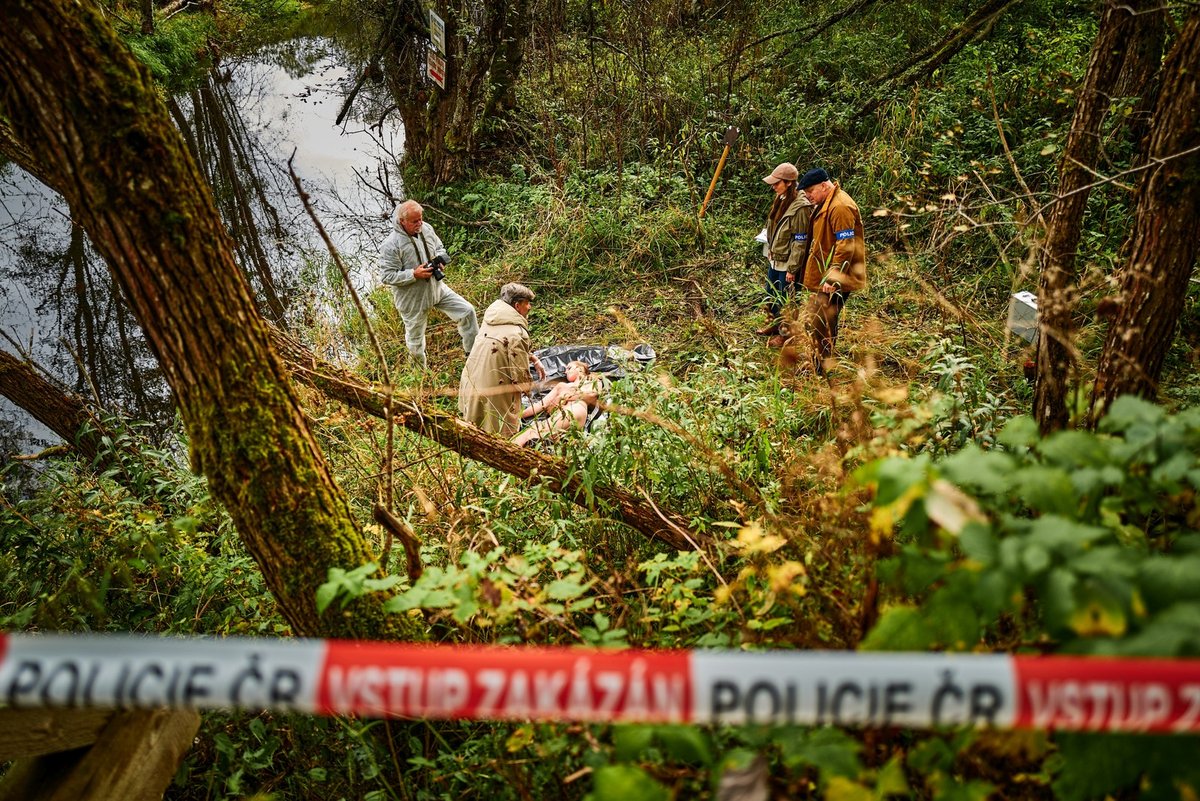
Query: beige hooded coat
x: 497, y: 372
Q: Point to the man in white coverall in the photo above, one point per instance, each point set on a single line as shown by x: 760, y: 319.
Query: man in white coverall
x: 404, y: 259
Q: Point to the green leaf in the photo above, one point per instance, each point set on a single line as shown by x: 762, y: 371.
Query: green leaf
x: 1073, y: 449
x: 379, y: 585
x: 947, y: 788
x: 1099, y: 610
x: 325, y: 595
x: 1173, y: 632
x: 1128, y: 411
x: 465, y: 610
x: 891, y: 779
x: 1019, y: 432
x: 831, y: 751
x: 630, y: 741
x: 993, y: 593
x: 566, y: 589
x: 1064, y: 536
x: 1109, y: 561
x: 894, y: 476
x: 902, y: 628
x: 990, y: 472
x: 1174, y: 469
x: 1036, y: 559
x: 1047, y: 489
x: 932, y: 755
x: 686, y: 744
x: 1166, y: 580
x: 839, y: 788
x: 1095, y: 766
x: 438, y: 599
x: 626, y: 783
x: 979, y: 543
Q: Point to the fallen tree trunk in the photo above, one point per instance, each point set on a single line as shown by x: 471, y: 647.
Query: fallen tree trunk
x: 464, y: 438
x: 65, y: 415
x: 60, y: 411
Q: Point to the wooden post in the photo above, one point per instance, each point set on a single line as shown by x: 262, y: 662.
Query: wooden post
x: 731, y: 135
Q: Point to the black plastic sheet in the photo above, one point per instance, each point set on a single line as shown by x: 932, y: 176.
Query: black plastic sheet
x: 611, y: 360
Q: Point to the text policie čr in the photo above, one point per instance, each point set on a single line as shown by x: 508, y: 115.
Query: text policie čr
x: 149, y: 683
x: 847, y: 702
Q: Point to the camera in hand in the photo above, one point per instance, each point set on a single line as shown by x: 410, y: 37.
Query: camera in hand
x: 437, y: 263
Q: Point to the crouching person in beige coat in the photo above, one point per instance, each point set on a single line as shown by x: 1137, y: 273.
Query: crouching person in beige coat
x: 497, y: 369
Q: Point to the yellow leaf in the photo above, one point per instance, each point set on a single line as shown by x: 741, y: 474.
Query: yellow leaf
x: 519, y: 739
x: 783, y: 578
x: 842, y: 789
x: 1099, y: 612
x: 883, y: 518
x: 892, y: 395
x: 752, y: 539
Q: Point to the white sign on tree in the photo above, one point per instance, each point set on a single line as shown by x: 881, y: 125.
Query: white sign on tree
x: 437, y: 32
x: 435, y: 65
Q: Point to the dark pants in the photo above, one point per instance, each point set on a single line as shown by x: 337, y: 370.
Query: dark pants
x: 778, y: 291
x: 821, y: 319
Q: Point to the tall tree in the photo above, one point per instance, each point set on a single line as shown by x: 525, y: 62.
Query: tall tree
x: 446, y: 128
x: 1056, y: 284
x: 93, y: 127
x: 1166, y: 235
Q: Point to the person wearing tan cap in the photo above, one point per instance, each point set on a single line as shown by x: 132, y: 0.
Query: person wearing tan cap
x: 787, y: 244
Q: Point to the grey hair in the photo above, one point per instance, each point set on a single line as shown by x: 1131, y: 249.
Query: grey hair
x: 511, y: 293
x: 405, y: 209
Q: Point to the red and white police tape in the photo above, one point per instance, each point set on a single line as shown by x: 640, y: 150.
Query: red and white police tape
x: 329, y: 677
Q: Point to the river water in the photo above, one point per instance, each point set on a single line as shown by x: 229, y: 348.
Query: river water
x: 243, y: 122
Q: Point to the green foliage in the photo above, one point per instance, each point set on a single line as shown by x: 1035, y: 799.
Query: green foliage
x: 348, y: 585
x: 1082, y: 542
x: 175, y: 52
x: 139, y: 546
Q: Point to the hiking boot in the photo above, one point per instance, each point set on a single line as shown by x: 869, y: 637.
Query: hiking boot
x: 776, y: 341
x: 770, y: 329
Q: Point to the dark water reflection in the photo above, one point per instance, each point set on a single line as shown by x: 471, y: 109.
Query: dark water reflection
x: 57, y: 300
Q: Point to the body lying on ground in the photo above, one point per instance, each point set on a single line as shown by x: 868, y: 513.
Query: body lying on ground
x: 567, y: 405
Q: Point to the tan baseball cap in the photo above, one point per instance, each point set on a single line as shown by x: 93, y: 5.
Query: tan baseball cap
x: 784, y: 172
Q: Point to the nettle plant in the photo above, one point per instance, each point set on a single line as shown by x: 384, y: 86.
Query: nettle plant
x: 1077, y: 542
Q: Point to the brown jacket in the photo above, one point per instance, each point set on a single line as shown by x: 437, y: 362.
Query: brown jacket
x: 837, y: 251
x: 496, y: 372
x: 787, y: 238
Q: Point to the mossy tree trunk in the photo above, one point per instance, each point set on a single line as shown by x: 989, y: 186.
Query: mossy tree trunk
x: 1056, y: 284
x: 1166, y: 235
x: 96, y: 131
